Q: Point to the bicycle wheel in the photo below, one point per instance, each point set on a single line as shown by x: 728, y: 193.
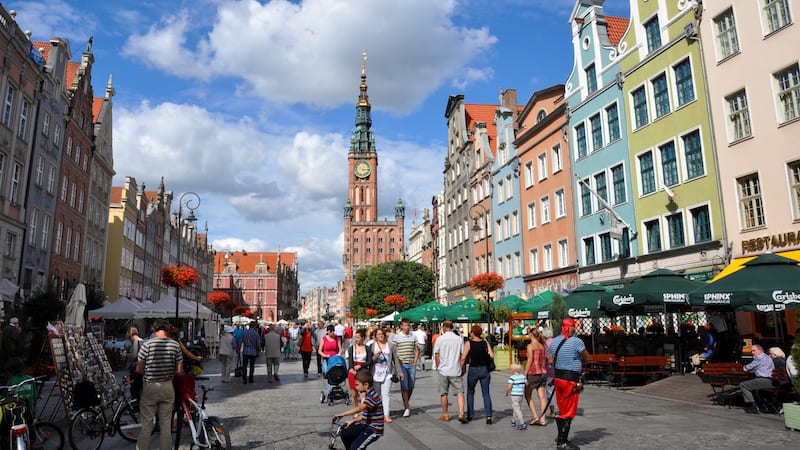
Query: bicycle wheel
x: 127, y: 423
x: 218, y: 436
x: 46, y: 436
x: 87, y: 429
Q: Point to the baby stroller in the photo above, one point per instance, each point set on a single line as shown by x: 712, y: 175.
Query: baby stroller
x: 335, y: 376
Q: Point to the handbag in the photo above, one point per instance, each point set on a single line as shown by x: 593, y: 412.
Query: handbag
x: 238, y: 372
x: 491, y: 366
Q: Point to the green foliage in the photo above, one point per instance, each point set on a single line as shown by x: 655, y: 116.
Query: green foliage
x: 557, y: 311
x: 43, y: 306
x: 413, y: 280
x: 500, y: 313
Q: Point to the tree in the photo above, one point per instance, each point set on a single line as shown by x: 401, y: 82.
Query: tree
x: 406, y: 278
x: 557, y: 312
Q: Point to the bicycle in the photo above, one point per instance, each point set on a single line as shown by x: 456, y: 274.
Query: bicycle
x: 207, y: 431
x: 41, y: 435
x: 89, y: 425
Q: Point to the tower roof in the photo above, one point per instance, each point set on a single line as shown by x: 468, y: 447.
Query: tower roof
x: 363, y: 141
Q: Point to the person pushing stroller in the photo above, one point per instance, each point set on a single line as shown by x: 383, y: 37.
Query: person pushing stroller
x: 360, y: 433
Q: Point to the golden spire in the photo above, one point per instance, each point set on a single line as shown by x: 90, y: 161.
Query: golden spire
x: 363, y: 99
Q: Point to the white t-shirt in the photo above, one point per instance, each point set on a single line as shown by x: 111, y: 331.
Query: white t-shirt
x: 449, y: 347
x: 338, y: 330
x: 422, y: 336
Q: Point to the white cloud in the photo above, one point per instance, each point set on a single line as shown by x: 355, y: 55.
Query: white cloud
x: 310, y: 52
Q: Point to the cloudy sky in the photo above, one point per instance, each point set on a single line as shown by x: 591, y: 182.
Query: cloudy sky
x: 251, y: 103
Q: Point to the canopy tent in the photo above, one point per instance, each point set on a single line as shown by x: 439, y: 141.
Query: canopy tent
x: 765, y: 284
x: 122, y: 308
x: 426, y: 312
x: 388, y: 318
x: 659, y: 291
x: 165, y: 309
x: 512, y: 302
x: 463, y: 311
x: 76, y: 306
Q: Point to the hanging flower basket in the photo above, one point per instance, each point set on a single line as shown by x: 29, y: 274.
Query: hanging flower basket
x: 397, y: 300
x: 371, y: 312
x: 240, y: 310
x: 487, y: 282
x: 219, y: 298
x: 179, y: 276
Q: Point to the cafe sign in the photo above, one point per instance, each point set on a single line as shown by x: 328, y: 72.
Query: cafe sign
x: 775, y: 241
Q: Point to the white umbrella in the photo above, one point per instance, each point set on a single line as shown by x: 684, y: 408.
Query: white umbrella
x: 76, y: 305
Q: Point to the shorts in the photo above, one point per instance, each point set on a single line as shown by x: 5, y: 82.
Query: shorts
x: 409, y: 377
x: 446, y: 382
x: 536, y: 381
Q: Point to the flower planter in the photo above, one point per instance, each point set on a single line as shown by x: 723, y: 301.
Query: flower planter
x: 791, y: 416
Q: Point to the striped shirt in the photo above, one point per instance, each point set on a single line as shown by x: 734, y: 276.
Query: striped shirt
x: 517, y: 382
x: 406, y: 347
x: 161, y: 357
x: 372, y: 416
x: 568, y: 358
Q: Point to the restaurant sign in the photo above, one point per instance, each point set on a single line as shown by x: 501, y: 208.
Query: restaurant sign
x: 776, y: 241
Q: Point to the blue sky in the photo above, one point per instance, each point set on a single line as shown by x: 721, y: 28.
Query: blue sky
x: 251, y: 104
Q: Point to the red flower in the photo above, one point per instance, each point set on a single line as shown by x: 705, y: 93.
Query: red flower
x: 219, y: 298
x: 179, y: 276
x: 371, y: 312
x: 398, y: 300
x: 487, y: 282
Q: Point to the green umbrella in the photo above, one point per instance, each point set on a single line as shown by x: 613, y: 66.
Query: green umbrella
x: 512, y: 302
x: 463, y: 311
x: 538, y: 305
x: 661, y: 290
x: 427, y: 312
x: 765, y: 284
x: 583, y: 302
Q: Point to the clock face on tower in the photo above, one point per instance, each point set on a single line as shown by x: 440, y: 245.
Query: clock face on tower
x: 362, y: 169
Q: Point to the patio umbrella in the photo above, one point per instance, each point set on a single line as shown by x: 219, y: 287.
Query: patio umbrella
x: 76, y: 305
x: 512, y: 302
x: 463, y: 311
x: 584, y: 301
x: 765, y: 284
x: 538, y: 305
x: 426, y: 312
x: 661, y: 290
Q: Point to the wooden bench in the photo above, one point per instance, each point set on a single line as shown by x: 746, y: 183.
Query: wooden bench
x: 650, y: 367
x: 600, y: 366
x: 724, y: 378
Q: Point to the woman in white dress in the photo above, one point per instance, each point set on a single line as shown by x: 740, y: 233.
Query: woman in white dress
x: 384, y: 365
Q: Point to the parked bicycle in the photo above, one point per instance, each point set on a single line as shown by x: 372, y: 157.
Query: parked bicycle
x: 26, y: 431
x: 89, y: 424
x: 206, y: 431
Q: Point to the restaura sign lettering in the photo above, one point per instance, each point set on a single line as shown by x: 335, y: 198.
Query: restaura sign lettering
x: 621, y: 300
x: 786, y: 297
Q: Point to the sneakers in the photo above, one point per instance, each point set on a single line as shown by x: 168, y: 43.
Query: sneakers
x: 407, y: 413
x: 513, y: 423
x: 524, y: 426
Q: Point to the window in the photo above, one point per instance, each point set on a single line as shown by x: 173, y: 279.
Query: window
x: 531, y: 215
x: 57, y: 135
x: 40, y: 171
x: 500, y: 192
x: 59, y: 233
x: 23, y: 119
x: 588, y: 251
x: 45, y: 231
x: 738, y: 116
x: 789, y: 93
x: 600, y: 185
x: 563, y: 253
x: 76, y: 252
x: 625, y: 244
x: 683, y: 82
x: 32, y: 227
x: 529, y: 174
x: 580, y: 140
x: 646, y: 173
x: 547, y: 257
x: 675, y: 228
x: 68, y: 243
x: 660, y: 95
x: 509, y: 188
x: 15, y: 183
x: 701, y: 224
x: 605, y: 248
x: 51, y: 179
x: 750, y: 202
x: 77, y: 153
x: 653, y: 32
x: 618, y: 179
x: 694, y: 154
x: 11, y: 243
x: 561, y: 204
x: 80, y: 201
x: 514, y: 223
x: 794, y: 187
x: 640, y: 107
x: 8, y: 105
x: 612, y: 116
x: 591, y: 78
x: 653, y: 231
x: 669, y: 163
x: 727, y: 41
x: 72, y: 195
x: 545, y: 201
x: 533, y: 260
x: 68, y: 149
x: 776, y: 14
x: 46, y: 124
x: 541, y: 115
x: 556, y: 153
x: 597, y: 132
x: 542, y: 166
x: 586, y: 198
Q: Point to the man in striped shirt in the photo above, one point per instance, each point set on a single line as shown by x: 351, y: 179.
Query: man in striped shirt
x: 159, y: 360
x: 408, y: 354
x: 369, y: 428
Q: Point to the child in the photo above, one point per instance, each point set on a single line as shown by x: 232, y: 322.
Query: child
x: 516, y: 387
x: 370, y: 427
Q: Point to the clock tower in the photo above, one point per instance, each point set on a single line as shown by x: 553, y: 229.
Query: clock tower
x: 368, y: 241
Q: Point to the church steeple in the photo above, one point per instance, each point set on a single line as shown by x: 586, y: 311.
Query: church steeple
x: 363, y: 141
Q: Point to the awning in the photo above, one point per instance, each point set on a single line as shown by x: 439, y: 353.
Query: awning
x: 738, y: 263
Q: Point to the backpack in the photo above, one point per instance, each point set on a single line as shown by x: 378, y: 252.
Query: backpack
x: 84, y: 395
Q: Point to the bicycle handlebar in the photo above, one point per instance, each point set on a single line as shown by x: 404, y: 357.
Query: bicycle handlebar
x: 24, y: 382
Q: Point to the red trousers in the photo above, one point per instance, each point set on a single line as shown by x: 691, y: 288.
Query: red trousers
x: 566, y: 398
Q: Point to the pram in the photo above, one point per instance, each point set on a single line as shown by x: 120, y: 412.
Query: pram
x: 335, y: 375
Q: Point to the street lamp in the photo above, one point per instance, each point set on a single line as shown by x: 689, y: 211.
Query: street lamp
x: 191, y: 203
x: 476, y: 228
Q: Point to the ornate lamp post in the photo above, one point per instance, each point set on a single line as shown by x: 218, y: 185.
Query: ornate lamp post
x: 191, y: 203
